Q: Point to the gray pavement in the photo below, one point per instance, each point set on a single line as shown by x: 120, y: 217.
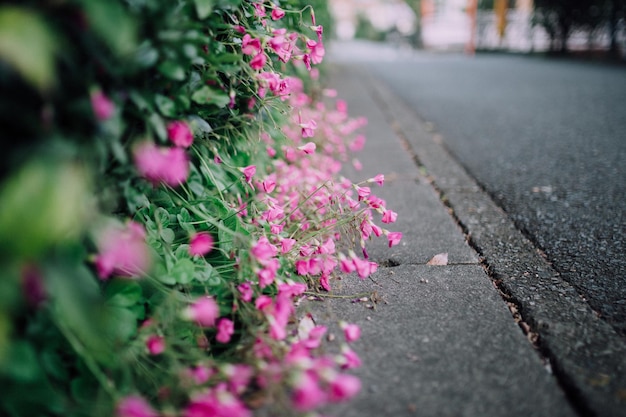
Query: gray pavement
x: 455, y: 340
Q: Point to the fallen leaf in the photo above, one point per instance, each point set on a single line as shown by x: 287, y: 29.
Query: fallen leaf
x: 305, y: 326
x: 439, y: 259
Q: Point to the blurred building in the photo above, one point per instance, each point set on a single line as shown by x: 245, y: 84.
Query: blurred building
x: 460, y: 24
x: 384, y: 15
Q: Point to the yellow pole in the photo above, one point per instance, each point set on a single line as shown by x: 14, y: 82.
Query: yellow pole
x: 472, y: 11
x: 500, y: 8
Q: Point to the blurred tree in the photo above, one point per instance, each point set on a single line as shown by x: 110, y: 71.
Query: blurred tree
x: 561, y: 17
x: 416, y: 38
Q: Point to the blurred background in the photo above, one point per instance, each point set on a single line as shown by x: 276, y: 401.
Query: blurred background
x: 560, y: 26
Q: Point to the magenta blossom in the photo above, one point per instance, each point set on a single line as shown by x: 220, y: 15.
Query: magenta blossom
x: 389, y: 216
x: 250, y: 45
x: 155, y: 344
x: 248, y: 172
x: 225, y: 329
x: 308, y: 129
x: 344, y: 387
x: 307, y: 148
x: 200, y: 244
x: 379, y: 179
x: 203, y: 311
x: 258, y: 61
x: 162, y: 165
x: 307, y: 393
x: 351, y: 332
x: 135, y: 406
x: 101, y: 105
x: 123, y: 251
x: 394, y: 238
x: 180, y: 134
x: 277, y: 13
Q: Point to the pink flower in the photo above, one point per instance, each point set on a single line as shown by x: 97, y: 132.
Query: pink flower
x: 259, y: 9
x: 134, y: 406
x: 250, y: 45
x: 291, y: 289
x: 225, y: 329
x: 287, y: 244
x: 302, y: 266
x: 317, y: 51
x: 379, y: 179
x: 344, y: 387
x: 363, y: 267
x: 277, y: 13
x: 389, y: 216
x: 258, y: 62
x: 155, y: 344
x: 239, y: 377
x: 308, y: 129
x: 266, y: 275
x: 245, y: 289
x: 357, y: 144
x: 101, y: 105
x: 394, y: 238
x: 307, y: 148
x: 307, y: 393
x: 268, y: 185
x: 203, y: 311
x: 200, y: 374
x: 349, y: 358
x: 346, y: 264
x: 351, y: 332
x: 179, y: 133
x: 363, y: 192
x: 162, y: 165
x: 200, y: 244
x: 325, y: 282
x: 217, y: 402
x: 262, y: 250
x: 123, y: 251
x: 248, y: 172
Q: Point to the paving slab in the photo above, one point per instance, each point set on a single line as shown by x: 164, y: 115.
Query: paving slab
x: 440, y: 342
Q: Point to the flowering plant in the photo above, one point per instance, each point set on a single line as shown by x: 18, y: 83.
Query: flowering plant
x: 174, y: 190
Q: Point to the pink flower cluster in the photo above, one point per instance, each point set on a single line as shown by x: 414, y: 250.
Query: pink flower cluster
x: 292, y: 202
x: 167, y: 165
x: 122, y: 251
x: 285, y: 45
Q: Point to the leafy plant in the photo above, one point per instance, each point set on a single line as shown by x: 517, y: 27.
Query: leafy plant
x: 169, y: 190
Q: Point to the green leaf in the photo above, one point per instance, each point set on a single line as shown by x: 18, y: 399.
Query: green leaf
x: 158, y: 125
x: 203, y: 8
x: 146, y: 55
x: 162, y: 216
x: 84, y: 390
x: 205, y: 273
x: 123, y: 293
x: 166, y: 279
x: 166, y: 106
x: 167, y: 235
x: 22, y: 364
x: 226, y: 58
x: 110, y: 21
x: 52, y: 363
x: 120, y: 323
x: 172, y: 70
x: 184, y: 271
x: 207, y: 95
x: 28, y: 45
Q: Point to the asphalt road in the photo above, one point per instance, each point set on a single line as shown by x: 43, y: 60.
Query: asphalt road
x: 546, y: 139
